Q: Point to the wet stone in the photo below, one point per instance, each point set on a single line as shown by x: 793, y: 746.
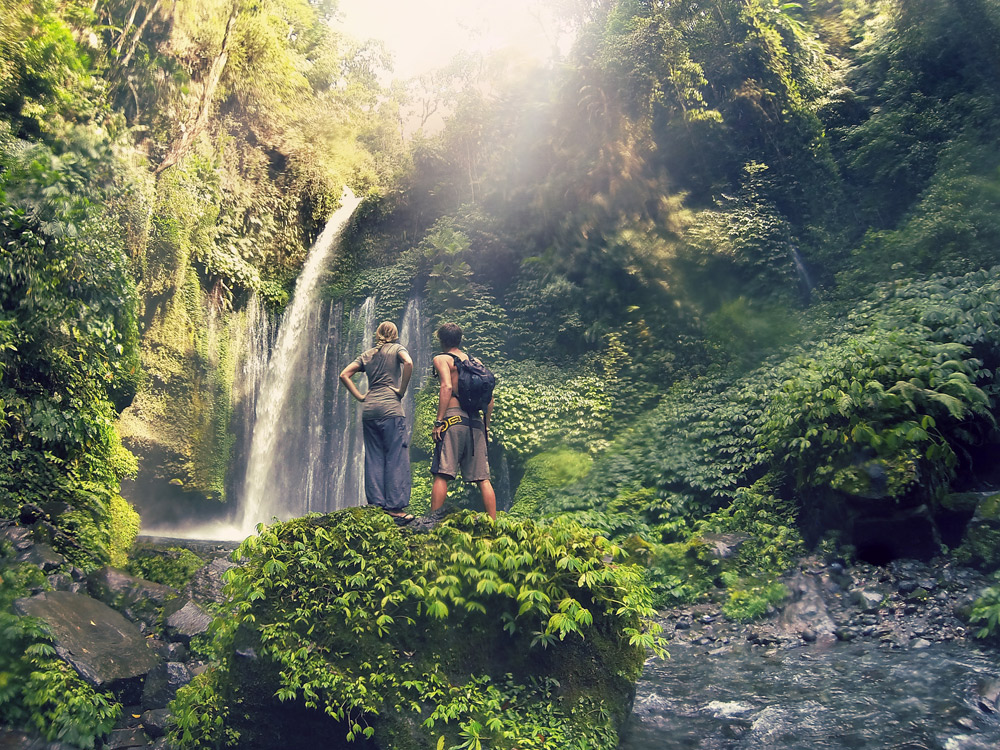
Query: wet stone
x: 137, y: 598
x: 185, y: 621
x: 106, y: 649
x: 43, y: 556
x: 206, y: 584
x: 60, y: 581
x: 121, y: 739
x: 12, y: 740
x: 989, y: 695
x: 845, y: 634
x: 18, y: 536
x: 162, y: 684
x: 155, y: 722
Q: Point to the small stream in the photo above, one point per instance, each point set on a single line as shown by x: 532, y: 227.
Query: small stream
x: 857, y: 696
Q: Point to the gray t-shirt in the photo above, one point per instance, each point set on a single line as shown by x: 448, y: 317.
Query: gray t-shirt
x: 383, y: 368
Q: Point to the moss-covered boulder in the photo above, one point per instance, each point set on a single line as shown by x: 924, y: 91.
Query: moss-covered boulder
x: 981, y: 545
x: 510, y: 632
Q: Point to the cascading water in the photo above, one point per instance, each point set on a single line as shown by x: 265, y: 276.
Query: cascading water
x: 345, y: 458
x: 805, y: 281
x: 290, y: 451
x: 413, y: 336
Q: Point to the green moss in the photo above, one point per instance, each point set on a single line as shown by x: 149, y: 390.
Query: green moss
x: 989, y: 508
x: 748, y: 599
x: 543, y: 474
x: 124, y: 523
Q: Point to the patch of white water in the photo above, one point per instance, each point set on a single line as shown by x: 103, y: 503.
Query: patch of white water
x: 289, y: 453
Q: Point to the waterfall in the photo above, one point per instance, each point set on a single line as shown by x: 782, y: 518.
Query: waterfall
x: 289, y: 445
x: 253, y: 345
x: 805, y: 281
x: 417, y: 342
x: 345, y: 453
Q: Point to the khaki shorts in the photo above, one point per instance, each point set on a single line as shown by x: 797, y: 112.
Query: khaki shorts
x: 462, y: 446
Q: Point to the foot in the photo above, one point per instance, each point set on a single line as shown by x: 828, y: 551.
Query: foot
x: 400, y: 516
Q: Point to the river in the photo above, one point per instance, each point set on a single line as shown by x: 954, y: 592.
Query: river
x: 857, y: 696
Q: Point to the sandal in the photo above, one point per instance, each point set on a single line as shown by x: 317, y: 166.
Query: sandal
x: 401, y: 518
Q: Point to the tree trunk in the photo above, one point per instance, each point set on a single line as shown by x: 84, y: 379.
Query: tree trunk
x: 188, y: 133
x: 128, y: 25
x: 138, y: 35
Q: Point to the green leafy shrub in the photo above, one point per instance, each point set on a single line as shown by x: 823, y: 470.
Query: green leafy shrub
x: 860, y: 415
x: 199, y: 714
x: 540, y: 407
x: 748, y: 599
x: 544, y: 473
x: 986, y: 610
x: 173, y: 566
x: 774, y: 542
x: 361, y: 621
x: 68, y: 336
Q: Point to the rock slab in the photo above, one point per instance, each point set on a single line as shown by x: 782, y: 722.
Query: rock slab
x: 98, y: 642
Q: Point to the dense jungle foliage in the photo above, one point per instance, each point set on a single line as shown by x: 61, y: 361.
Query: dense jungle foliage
x: 736, y: 264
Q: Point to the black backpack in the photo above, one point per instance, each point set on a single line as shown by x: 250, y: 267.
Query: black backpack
x: 475, y: 384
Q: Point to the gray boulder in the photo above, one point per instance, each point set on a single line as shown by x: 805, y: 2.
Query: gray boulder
x: 18, y: 536
x: 206, y: 584
x: 43, y: 556
x: 806, y: 613
x: 106, y: 649
x: 162, y: 684
x: 12, y: 740
x: 136, y: 598
x: 156, y: 722
x: 184, y: 619
x: 127, y: 737
x: 724, y: 546
x: 867, y: 601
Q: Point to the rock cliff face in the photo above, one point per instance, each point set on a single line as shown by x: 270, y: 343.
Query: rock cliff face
x: 179, y: 425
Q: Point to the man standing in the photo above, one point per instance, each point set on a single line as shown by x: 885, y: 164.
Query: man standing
x: 459, y: 437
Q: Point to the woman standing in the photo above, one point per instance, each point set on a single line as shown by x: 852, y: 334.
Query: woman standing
x: 387, y: 460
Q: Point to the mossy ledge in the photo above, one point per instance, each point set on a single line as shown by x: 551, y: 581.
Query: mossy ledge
x: 507, y: 634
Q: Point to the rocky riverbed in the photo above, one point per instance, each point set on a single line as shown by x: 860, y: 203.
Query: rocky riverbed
x: 859, y: 656
x: 120, y: 633
x: 907, y: 604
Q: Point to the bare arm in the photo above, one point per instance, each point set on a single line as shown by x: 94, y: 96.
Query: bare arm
x: 404, y: 379
x: 442, y: 364
x: 345, y: 377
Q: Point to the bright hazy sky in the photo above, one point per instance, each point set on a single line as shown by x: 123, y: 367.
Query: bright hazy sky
x: 425, y: 34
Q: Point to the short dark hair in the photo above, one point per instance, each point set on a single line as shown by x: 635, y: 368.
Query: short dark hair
x: 450, y: 336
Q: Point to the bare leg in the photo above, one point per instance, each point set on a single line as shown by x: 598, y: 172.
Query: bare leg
x: 489, y: 498
x: 439, y: 491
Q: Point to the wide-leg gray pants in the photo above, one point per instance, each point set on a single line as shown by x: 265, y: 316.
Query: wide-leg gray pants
x: 387, y: 463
